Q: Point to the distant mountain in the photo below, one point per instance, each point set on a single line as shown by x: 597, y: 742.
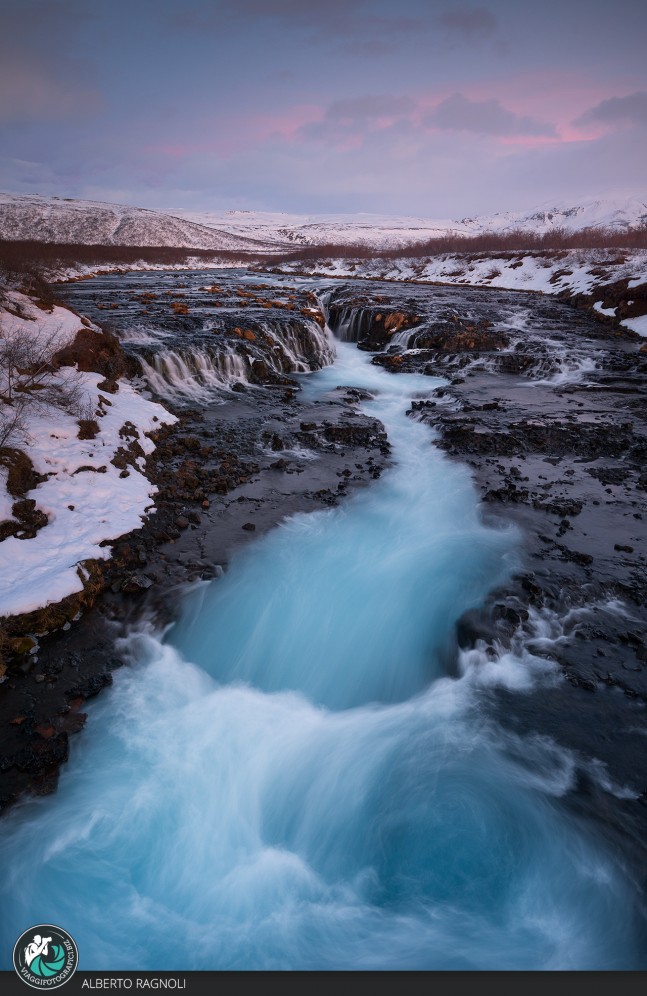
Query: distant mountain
x: 62, y: 220
x: 66, y: 221
x: 385, y: 232
x: 294, y: 230
x: 619, y: 214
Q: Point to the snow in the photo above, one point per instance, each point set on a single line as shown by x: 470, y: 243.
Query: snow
x: 603, y: 311
x: 6, y: 501
x: 84, y: 497
x: 389, y: 232
x: 84, y: 271
x: 64, y: 220
x: 56, y: 326
x: 575, y: 271
x: 620, y: 213
x: 638, y: 325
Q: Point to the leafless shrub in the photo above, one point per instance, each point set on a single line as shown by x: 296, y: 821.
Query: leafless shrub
x: 520, y: 240
x: 29, y: 381
x: 12, y: 421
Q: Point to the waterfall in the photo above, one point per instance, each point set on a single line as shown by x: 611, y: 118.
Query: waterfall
x: 193, y: 374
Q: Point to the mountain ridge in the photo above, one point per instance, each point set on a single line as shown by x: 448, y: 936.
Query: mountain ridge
x: 68, y: 220
x: 27, y: 217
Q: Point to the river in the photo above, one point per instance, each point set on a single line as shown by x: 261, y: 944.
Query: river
x: 303, y: 771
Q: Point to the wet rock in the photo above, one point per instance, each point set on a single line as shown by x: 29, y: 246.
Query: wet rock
x: 89, y: 687
x: 136, y: 583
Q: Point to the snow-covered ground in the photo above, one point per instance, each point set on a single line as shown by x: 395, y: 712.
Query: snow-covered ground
x: 638, y: 325
x: 84, y: 271
x: 86, y: 498
x: 18, y: 313
x: 571, y: 272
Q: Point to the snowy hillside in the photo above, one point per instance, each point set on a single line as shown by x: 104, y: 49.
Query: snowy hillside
x: 619, y: 214
x: 384, y: 232
x: 56, y: 219
x: 293, y: 230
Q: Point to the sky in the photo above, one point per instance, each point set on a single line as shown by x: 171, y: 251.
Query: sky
x: 432, y: 108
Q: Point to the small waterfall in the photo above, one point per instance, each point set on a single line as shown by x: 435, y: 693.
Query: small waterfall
x: 193, y: 374
x: 350, y: 323
x: 564, y: 367
x: 405, y: 339
x: 299, y: 347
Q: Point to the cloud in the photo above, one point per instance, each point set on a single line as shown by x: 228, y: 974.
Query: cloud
x: 346, y: 122
x: 631, y: 109
x: 372, y: 106
x: 469, y: 23
x: 486, y: 117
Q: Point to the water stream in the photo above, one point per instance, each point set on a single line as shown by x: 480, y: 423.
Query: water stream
x: 300, y: 775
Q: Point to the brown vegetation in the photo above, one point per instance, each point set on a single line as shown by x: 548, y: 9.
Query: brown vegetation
x: 518, y: 240
x: 29, y: 257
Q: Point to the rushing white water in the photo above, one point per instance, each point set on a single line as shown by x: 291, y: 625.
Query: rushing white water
x: 193, y: 374
x: 196, y: 372
x: 292, y: 780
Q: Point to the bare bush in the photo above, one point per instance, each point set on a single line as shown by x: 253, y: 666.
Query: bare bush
x: 12, y: 421
x: 30, y: 381
x: 517, y: 240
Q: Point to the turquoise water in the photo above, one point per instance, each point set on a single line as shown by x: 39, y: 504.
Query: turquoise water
x: 300, y: 775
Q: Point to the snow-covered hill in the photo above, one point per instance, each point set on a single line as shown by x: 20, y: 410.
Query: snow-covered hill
x: 62, y: 220
x: 294, y: 230
x: 65, y: 221
x: 620, y: 214
x: 385, y: 232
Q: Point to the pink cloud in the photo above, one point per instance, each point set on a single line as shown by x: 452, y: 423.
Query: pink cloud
x: 557, y: 97
x: 232, y: 135
x: 528, y: 110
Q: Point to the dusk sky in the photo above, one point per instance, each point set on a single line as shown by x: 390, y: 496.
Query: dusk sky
x: 437, y: 109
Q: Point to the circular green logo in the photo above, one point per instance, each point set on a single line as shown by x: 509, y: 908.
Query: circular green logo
x: 45, y: 956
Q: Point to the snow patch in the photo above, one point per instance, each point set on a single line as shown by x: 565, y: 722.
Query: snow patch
x: 638, y: 325
x: 603, y: 311
x: 85, y: 498
x: 6, y: 500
